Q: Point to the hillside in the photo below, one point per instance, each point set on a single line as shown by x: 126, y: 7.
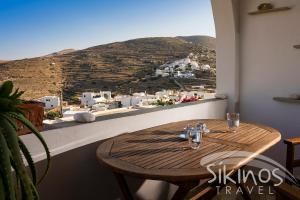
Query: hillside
x: 205, y: 41
x: 62, y: 52
x: 117, y: 66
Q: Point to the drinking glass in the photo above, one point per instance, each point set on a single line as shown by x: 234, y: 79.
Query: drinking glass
x: 186, y: 130
x: 233, y: 120
x: 195, y: 138
x: 202, y: 127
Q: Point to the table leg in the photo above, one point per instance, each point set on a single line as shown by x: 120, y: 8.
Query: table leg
x: 183, y: 189
x: 123, y: 186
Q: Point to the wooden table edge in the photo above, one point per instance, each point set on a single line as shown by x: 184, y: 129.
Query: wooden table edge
x: 140, y: 172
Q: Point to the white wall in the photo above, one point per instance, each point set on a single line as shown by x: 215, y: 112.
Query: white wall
x: 227, y: 38
x: 268, y: 65
x: 65, y: 139
x: 75, y: 172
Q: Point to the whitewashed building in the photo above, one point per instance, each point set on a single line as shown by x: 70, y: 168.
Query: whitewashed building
x: 205, y: 67
x: 164, y: 94
x: 99, y: 107
x: 159, y: 72
x: 165, y: 74
x: 191, y: 94
x: 127, y: 100
x: 184, y: 74
x: 91, y: 98
x: 135, y: 99
x: 195, y: 66
x: 50, y: 101
x: 106, y: 94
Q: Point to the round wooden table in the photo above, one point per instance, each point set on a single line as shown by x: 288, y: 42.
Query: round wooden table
x: 159, y: 154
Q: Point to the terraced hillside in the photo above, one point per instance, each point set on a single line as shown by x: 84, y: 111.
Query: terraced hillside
x: 117, y: 66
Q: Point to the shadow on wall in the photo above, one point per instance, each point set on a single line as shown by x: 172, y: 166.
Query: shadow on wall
x: 77, y: 175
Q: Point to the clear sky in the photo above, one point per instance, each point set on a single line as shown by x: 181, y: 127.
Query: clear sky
x: 30, y: 28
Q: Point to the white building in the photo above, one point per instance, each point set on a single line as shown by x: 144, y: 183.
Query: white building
x: 173, y: 97
x: 99, y: 107
x: 128, y: 101
x: 184, y: 75
x: 139, y: 94
x: 167, y: 69
x: 195, y: 66
x: 159, y: 72
x: 198, y: 87
x: 50, y: 101
x: 106, y: 94
x: 165, y: 74
x: 135, y: 99
x: 91, y: 98
x: 205, y: 67
x: 164, y: 94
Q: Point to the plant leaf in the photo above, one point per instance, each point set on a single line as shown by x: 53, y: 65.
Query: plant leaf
x: 2, y: 189
x: 6, y: 88
x: 16, y: 94
x: 10, y: 121
x: 5, y: 169
x: 29, y: 160
x: 12, y: 142
x: 28, y: 124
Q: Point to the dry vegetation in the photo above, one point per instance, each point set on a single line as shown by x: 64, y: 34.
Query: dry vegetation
x: 116, y: 66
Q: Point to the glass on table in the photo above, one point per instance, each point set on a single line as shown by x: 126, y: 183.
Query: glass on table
x: 195, y: 138
x: 202, y: 127
x: 233, y: 120
x: 186, y: 131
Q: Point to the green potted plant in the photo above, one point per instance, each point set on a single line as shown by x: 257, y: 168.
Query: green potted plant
x: 16, y: 182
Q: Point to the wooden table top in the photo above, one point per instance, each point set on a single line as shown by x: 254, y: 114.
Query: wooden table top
x: 158, y: 153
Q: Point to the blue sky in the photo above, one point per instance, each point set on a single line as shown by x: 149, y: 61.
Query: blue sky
x: 30, y: 28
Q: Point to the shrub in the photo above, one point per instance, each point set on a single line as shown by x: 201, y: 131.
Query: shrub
x: 52, y: 115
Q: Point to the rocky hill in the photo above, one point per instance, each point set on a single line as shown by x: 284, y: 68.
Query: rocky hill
x: 205, y: 41
x: 62, y: 52
x: 116, y: 66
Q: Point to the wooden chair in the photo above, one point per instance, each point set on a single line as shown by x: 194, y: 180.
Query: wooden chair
x: 291, y: 162
x: 286, y: 191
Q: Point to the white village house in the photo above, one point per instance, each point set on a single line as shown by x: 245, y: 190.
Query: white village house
x: 195, y: 66
x: 205, y: 67
x: 136, y: 99
x: 163, y: 73
x: 127, y: 101
x: 91, y: 98
x: 50, y: 101
x: 187, y: 74
x: 181, y: 68
x: 158, y: 72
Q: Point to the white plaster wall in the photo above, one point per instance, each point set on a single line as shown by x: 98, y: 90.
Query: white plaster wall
x: 227, y: 37
x: 269, y: 65
x: 65, y: 139
x: 75, y: 172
